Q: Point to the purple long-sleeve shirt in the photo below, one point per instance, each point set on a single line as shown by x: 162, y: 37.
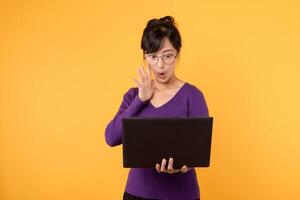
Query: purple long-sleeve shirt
x: 147, y: 182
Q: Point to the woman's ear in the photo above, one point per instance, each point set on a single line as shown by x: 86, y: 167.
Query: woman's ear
x: 178, y: 56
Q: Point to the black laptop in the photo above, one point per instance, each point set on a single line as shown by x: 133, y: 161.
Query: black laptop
x: 147, y: 140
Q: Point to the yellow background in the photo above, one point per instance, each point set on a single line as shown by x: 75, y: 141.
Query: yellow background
x: 65, y: 65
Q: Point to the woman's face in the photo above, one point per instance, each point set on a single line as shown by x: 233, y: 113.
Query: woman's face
x: 162, y: 63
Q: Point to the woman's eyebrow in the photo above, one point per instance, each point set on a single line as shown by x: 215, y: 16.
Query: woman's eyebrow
x: 168, y: 50
x: 162, y: 51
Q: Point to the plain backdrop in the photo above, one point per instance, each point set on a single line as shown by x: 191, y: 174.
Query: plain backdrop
x: 65, y: 65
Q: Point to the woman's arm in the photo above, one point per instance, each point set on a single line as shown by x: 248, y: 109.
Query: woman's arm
x: 130, y: 105
x: 197, y: 107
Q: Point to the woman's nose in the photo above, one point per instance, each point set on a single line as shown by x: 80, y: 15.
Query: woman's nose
x: 160, y: 63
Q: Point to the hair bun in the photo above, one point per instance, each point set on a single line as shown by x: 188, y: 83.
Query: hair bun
x: 163, y: 20
x: 167, y: 19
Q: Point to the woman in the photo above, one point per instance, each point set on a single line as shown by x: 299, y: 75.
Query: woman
x: 165, y: 95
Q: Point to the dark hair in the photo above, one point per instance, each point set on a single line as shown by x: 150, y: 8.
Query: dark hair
x: 155, y: 32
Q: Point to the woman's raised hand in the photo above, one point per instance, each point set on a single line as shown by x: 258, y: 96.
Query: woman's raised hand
x: 170, y: 169
x: 145, y: 84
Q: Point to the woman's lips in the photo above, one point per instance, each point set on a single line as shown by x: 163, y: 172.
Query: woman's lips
x: 162, y: 75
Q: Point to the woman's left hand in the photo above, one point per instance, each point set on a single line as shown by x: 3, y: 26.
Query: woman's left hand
x: 170, y: 169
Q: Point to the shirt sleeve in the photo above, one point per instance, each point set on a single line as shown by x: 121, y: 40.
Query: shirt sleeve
x: 197, y: 107
x: 130, y: 105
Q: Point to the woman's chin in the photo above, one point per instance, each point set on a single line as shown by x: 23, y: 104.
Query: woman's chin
x: 161, y: 80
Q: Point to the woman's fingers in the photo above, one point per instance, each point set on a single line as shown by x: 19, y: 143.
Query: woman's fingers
x: 148, y: 72
x: 170, y: 165
x: 163, y: 165
x: 170, y: 169
x: 136, y: 81
x: 145, y: 84
x: 157, y: 167
x: 144, y: 73
x: 141, y: 75
x: 184, y: 169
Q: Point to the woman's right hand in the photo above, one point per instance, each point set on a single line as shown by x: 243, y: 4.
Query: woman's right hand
x: 145, y: 85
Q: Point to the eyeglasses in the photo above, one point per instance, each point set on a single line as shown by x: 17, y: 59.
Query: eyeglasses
x: 166, y: 58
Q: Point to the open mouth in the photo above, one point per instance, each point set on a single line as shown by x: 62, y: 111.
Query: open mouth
x: 162, y: 75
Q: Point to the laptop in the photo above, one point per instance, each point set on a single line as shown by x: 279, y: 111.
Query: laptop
x: 147, y: 140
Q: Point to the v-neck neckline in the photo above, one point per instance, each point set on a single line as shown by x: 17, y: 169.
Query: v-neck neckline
x: 169, y: 101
